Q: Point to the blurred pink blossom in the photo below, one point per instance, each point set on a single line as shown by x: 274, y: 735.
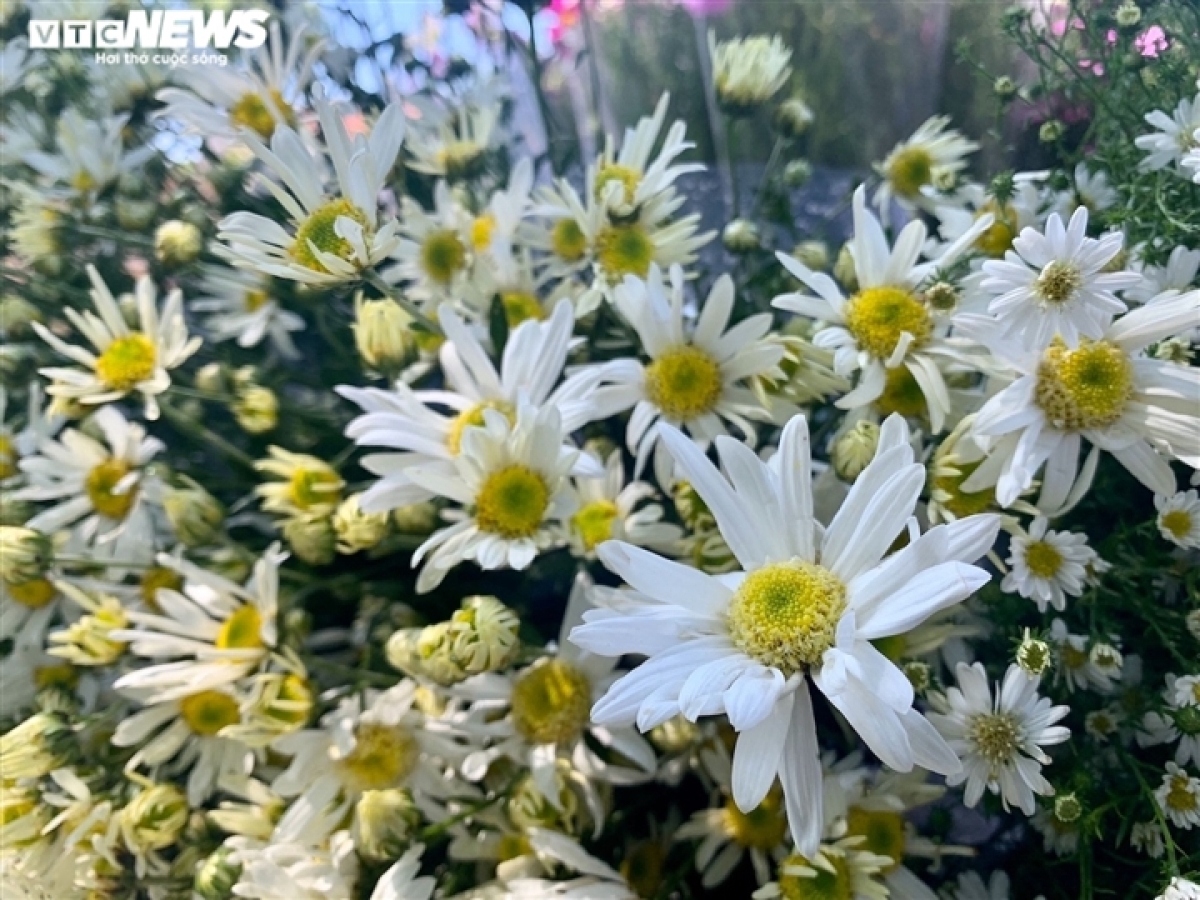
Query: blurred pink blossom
x: 706, y: 7
x: 1152, y: 41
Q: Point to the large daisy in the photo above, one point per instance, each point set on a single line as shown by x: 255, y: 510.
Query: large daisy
x: 695, y: 377
x: 804, y: 607
x: 888, y: 329
x: 1140, y: 409
x: 125, y: 360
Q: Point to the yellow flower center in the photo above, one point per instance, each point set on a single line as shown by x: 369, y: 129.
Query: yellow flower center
x: 32, y: 594
x: 62, y: 675
x: 996, y: 737
x: 319, y: 231
x: 998, y: 238
x: 8, y: 458
x: 954, y: 499
x: 207, y: 712
x: 624, y: 250
x: 763, y: 828
x: 251, y: 111
x: 521, y: 306
x: 1180, y: 796
x: 100, y: 487
x: 473, y: 418
x: 158, y: 577
x: 83, y: 181
x: 1178, y: 522
x: 902, y: 394
x: 824, y: 885
x: 460, y: 159
x: 785, y: 615
x: 383, y: 757
x: 512, y: 502
x: 314, y: 487
x: 878, y: 316
x: 1043, y: 559
x: 293, y: 703
x: 1088, y: 387
x: 684, y: 382
x: 1058, y: 282
x: 255, y: 300
x: 615, y: 173
x: 551, y: 703
x: 127, y: 361
x: 594, y: 522
x: 910, y: 170
x: 567, y: 240
x: 883, y: 830
x: 482, y: 230
x: 242, y: 630
x: 443, y: 255
x: 512, y: 845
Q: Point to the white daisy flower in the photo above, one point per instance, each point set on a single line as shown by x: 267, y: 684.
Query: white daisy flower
x: 1173, y: 137
x: 412, y: 421
x: 1092, y: 190
x: 215, y: 630
x: 1190, y: 164
x: 1178, y: 518
x: 841, y: 869
x: 296, y: 870
x: 971, y: 886
x: 240, y: 306
x: 723, y: 645
x: 1023, y: 209
x: 1055, y: 284
x: 256, y: 96
x: 1076, y: 668
x: 727, y: 836
x: 1000, y: 739
x: 453, y: 144
x: 510, y: 478
x: 1178, y: 722
x: 1139, y: 409
x: 1047, y: 566
x: 434, y: 250
x: 695, y: 378
x: 609, y: 509
x: 1179, y: 274
x: 598, y: 881
x: 125, y: 360
x: 748, y: 71
x: 1179, y: 797
x: 333, y: 236
x: 90, y: 152
x: 886, y: 330
x: 934, y: 155
x: 1180, y: 889
x: 102, y: 489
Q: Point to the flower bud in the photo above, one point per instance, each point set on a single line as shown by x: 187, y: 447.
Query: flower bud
x: 210, y: 378
x: 311, y: 537
x: 384, y: 822
x: 216, y: 876
x: 177, y: 243
x: 942, y: 297
x: 793, y: 117
x: 87, y: 641
x: 134, y: 214
x: 1052, y: 131
x: 797, y: 173
x: 741, y: 236
x: 814, y: 254
x: 416, y: 518
x: 1128, y: 14
x: 1033, y: 655
x: 844, y: 269
x: 256, y: 409
x: 854, y: 450
x: 383, y: 334
x: 155, y: 818
x: 483, y: 635
x: 357, y: 530
x: 25, y: 554
x: 36, y: 747
x: 194, y: 513
x: 1004, y: 88
x: 675, y: 735
x: 1067, y: 808
x: 16, y: 314
x: 919, y: 675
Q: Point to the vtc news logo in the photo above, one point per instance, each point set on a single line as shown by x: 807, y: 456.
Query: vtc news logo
x: 154, y: 29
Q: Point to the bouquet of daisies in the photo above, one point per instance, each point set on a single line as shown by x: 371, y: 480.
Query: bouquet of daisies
x: 395, y: 510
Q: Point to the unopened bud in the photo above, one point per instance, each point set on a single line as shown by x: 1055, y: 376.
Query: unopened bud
x: 194, y: 513
x: 177, y: 243
x: 854, y: 450
x: 416, y: 518
x: 814, y: 254
x: 216, y: 876
x: 793, y: 117
x: 844, y: 269
x: 256, y: 409
x: 383, y: 334
x: 25, y: 554
x: 1033, y: 655
x: 311, y: 537
x: 1067, y: 808
x: 155, y: 818
x: 741, y: 236
x: 357, y: 530
x: 384, y: 822
x: 797, y: 173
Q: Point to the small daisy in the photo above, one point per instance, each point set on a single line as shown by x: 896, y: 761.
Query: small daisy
x: 216, y: 631
x: 334, y: 236
x: 1092, y: 190
x: 1056, y: 284
x: 695, y: 377
x: 413, y: 422
x: 90, y: 152
x: 1174, y: 136
x: 841, y: 869
x: 240, y: 306
x: 306, y: 485
x: 1000, y: 740
x: 1147, y: 837
x: 748, y: 71
x: 103, y: 489
x: 1140, y: 409
x: 932, y: 157
x: 1179, y: 274
x: 434, y: 250
x: 971, y: 886
x: 511, y: 479
x: 1180, y: 889
x: 609, y: 509
x: 295, y: 870
x: 129, y: 360
x: 1178, y: 518
x: 256, y: 97
x: 721, y: 645
x: 1020, y: 210
x: 727, y: 835
x: 453, y: 145
x: 886, y: 329
x: 1179, y: 797
x: 1058, y: 837
x: 1047, y: 566
x: 1076, y: 668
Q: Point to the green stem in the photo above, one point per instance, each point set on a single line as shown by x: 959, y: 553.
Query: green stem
x: 196, y: 430
x: 736, y: 199
x: 440, y: 828
x: 374, y: 279
x: 1168, y: 841
x: 543, y: 105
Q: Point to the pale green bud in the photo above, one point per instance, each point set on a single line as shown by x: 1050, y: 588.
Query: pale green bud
x: 177, y: 243
x: 854, y: 450
x: 194, y: 513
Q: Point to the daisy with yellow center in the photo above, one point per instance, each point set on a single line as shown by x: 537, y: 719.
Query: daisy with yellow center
x: 695, y: 377
x: 1179, y: 797
x: 215, y: 631
x: 453, y: 145
x: 1048, y: 566
x: 429, y: 426
x: 305, y: 484
x: 334, y: 235
x: 1178, y: 518
x: 804, y: 607
x: 727, y: 836
x: 932, y: 157
x: 607, y: 508
x: 242, y: 307
x: 510, y: 478
x: 1140, y: 409
x: 886, y: 329
x: 844, y: 870
x: 123, y: 360
x: 999, y: 739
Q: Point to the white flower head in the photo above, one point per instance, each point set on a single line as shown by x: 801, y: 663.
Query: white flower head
x: 931, y: 157
x: 1179, y: 797
x: 748, y: 71
x: 1178, y: 518
x: 1048, y: 566
x: 241, y: 306
x: 805, y: 605
x: 1173, y: 137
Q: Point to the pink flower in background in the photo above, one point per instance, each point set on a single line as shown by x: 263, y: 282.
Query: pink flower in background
x: 566, y: 19
x: 706, y: 7
x: 1152, y: 41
